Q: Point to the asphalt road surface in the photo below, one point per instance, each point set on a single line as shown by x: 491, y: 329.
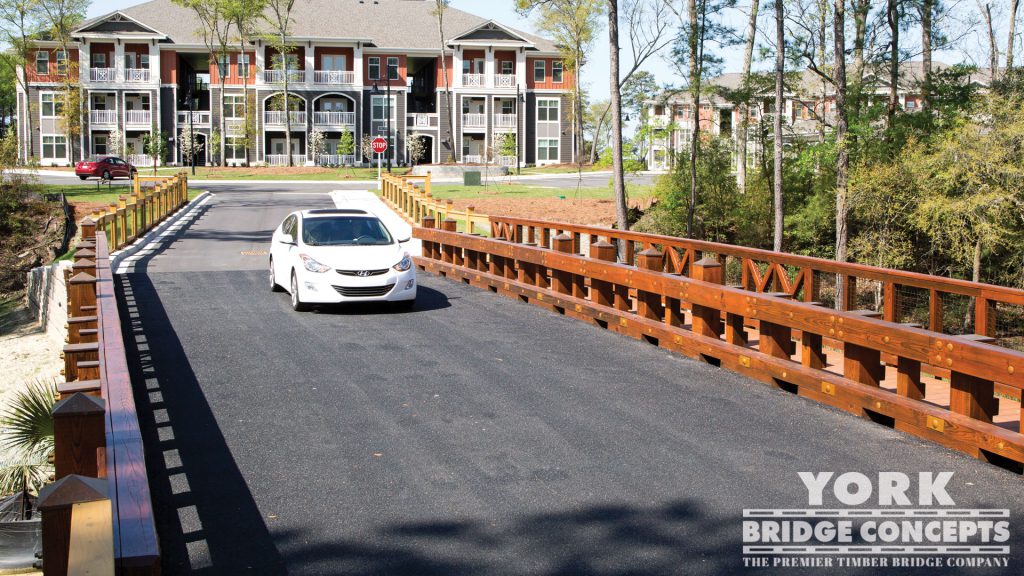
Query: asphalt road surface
x: 474, y: 435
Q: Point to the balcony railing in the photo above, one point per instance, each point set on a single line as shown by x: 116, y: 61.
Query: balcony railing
x: 332, y: 160
x: 103, y: 117
x: 140, y: 160
x: 334, y: 118
x: 276, y: 118
x: 138, y: 117
x: 505, y: 121
x: 102, y: 75
x: 472, y: 159
x: 420, y: 120
x: 507, y: 161
x: 282, y: 159
x: 198, y: 117
x: 277, y: 76
x: 474, y: 120
x: 504, y: 80
x: 473, y: 80
x: 136, y: 75
x: 334, y: 77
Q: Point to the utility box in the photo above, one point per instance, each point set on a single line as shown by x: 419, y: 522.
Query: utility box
x: 471, y: 178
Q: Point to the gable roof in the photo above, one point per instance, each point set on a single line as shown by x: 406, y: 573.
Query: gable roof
x: 398, y: 24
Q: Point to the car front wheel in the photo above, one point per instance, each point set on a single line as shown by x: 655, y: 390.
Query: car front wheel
x: 297, y: 304
x: 82, y: 176
x: 106, y: 175
x: 274, y: 286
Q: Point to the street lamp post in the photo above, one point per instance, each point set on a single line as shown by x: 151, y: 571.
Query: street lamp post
x: 387, y: 108
x: 519, y: 99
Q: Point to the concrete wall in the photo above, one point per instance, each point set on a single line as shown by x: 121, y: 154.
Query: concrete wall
x: 47, y: 299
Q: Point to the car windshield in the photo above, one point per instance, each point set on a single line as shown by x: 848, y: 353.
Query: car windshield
x: 344, y: 231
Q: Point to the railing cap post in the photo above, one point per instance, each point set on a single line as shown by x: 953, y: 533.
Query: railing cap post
x: 72, y: 489
x: 708, y: 263
x: 79, y: 404
x: 83, y: 278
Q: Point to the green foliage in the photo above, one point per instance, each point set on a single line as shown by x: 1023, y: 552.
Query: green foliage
x: 507, y: 145
x: 27, y: 438
x: 346, y: 144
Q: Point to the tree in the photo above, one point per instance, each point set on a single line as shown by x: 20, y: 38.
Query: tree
x: 1012, y: 33
x: 245, y: 15
x: 892, y: 15
x: 61, y: 17
x: 926, y: 9
x: 993, y: 46
x: 780, y: 71
x: 317, y: 142
x: 20, y: 26
x: 440, y: 6
x: 278, y: 15
x: 27, y: 424
x: 115, y: 142
x: 188, y: 145
x: 741, y: 129
x: 215, y: 19
x: 416, y: 146
x: 154, y: 144
x: 346, y: 144
x: 842, y: 154
x: 618, y: 176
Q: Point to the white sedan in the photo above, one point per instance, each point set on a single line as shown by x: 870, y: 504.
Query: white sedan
x: 340, y: 255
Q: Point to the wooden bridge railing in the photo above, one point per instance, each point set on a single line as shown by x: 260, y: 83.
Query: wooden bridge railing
x: 942, y: 305
x: 770, y: 336
x: 416, y: 202
x: 98, y: 514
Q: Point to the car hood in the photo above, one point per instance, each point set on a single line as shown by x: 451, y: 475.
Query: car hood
x: 356, y: 257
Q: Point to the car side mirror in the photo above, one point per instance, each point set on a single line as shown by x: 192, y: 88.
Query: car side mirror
x: 287, y: 239
x: 403, y: 240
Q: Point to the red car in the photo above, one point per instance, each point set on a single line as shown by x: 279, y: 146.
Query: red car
x: 105, y: 167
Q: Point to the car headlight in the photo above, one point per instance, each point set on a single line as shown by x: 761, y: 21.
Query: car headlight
x: 405, y: 264
x: 312, y: 265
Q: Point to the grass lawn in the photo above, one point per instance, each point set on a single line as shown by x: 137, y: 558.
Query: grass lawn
x: 525, y: 191
x: 273, y: 173
x: 102, y: 194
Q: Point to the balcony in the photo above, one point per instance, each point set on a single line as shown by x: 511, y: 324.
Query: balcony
x: 102, y: 75
x: 474, y: 121
x: 277, y: 76
x: 138, y: 117
x: 282, y: 159
x: 474, y: 80
x: 504, y: 121
x: 334, y: 77
x: 333, y: 160
x: 136, y: 74
x: 504, y: 80
x: 198, y: 117
x: 103, y: 117
x: 420, y: 120
x: 334, y: 118
x: 274, y: 118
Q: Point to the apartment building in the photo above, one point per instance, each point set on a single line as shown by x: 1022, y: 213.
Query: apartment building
x: 808, y: 111
x: 355, y: 66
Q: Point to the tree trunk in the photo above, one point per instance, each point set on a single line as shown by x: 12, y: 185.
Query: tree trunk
x: 842, y: 155
x: 893, y: 17
x: 780, y: 69
x: 822, y: 54
x: 597, y: 134
x: 619, y: 184
x: 693, y: 41
x: 741, y: 127
x: 448, y: 88
x: 986, y: 14
x: 1013, y: 32
x: 927, y: 9
x: 223, y: 123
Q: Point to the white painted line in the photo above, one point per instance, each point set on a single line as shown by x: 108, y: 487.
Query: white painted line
x: 123, y: 261
x: 366, y: 200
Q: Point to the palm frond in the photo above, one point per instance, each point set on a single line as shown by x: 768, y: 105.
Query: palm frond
x: 22, y: 471
x: 27, y: 420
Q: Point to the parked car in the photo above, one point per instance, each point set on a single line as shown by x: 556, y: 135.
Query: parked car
x: 340, y: 255
x: 105, y: 167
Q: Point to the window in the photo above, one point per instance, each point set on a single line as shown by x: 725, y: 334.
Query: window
x: 144, y: 61
x: 99, y: 144
x: 52, y: 105
x: 467, y: 66
x: 55, y: 147
x: 659, y: 110
x: 235, y: 149
x: 911, y: 104
x: 99, y: 60
x: 62, y: 62
x: 234, y: 106
x: 332, y: 62
x: 243, y: 65
x: 556, y: 72
x: 508, y: 106
x: 547, y: 110
x: 507, y: 67
x: 292, y: 61
x: 374, y: 63
x: 392, y: 68
x: 42, y: 62
x: 379, y: 112
x: 540, y: 70
x: 223, y: 65
x: 547, y: 149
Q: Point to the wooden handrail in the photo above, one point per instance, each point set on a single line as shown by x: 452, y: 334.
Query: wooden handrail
x: 135, y: 214
x: 644, y: 301
x: 415, y: 203
x: 774, y: 278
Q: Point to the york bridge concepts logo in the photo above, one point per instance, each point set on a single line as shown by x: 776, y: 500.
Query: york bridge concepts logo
x: 890, y: 520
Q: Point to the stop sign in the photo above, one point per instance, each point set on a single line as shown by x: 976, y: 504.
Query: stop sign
x: 379, y: 145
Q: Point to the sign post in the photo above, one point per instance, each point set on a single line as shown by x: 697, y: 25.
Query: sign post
x: 380, y: 146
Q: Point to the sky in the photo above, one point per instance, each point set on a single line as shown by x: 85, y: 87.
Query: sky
x: 970, y: 47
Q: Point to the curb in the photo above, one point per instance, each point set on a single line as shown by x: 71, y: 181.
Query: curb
x: 129, y: 253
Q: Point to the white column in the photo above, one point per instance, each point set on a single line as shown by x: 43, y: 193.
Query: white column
x: 489, y: 68
x: 260, y: 65
x: 357, y: 71
x: 310, y: 65
x: 119, y: 61
x: 154, y: 63
x: 457, y: 68
x: 521, y: 69
x: 84, y: 62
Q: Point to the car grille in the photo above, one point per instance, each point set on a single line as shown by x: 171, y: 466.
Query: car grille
x: 363, y: 291
x: 362, y: 273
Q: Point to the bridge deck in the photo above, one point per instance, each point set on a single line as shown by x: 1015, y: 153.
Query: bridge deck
x: 473, y: 435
